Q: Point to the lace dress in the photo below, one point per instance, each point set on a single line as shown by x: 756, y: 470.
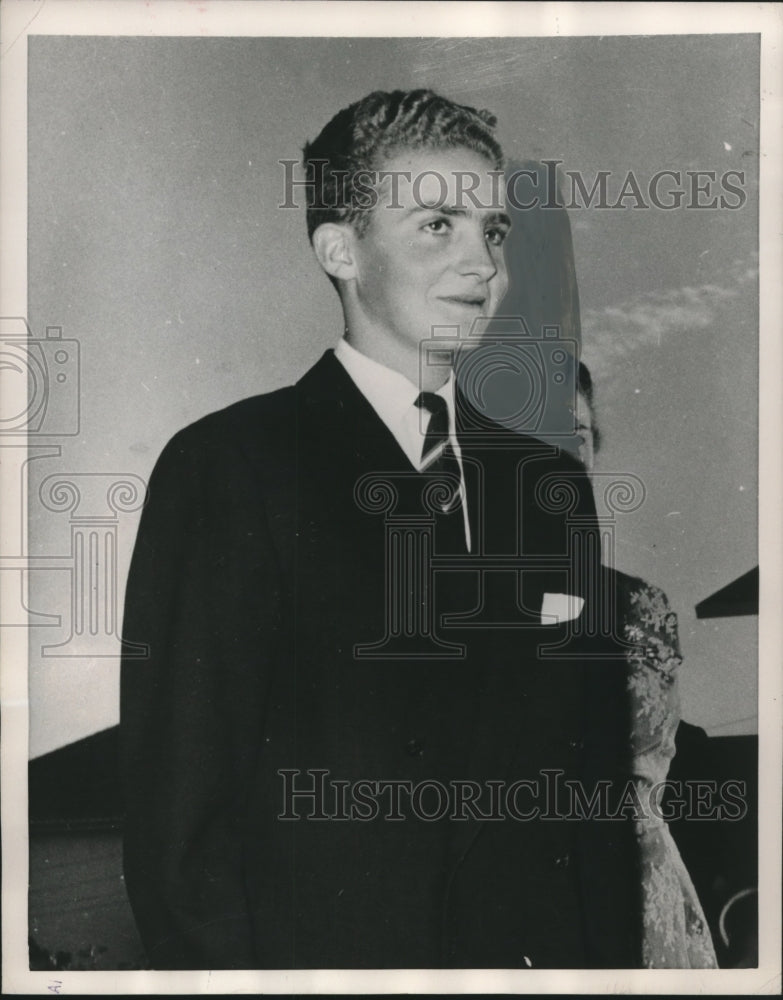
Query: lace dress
x: 675, y: 934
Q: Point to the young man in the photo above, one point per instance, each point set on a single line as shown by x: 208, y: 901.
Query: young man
x: 344, y: 746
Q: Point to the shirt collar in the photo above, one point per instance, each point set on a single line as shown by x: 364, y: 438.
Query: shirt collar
x: 391, y: 394
x: 393, y: 397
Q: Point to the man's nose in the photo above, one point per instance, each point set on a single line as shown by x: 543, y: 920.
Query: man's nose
x: 476, y: 257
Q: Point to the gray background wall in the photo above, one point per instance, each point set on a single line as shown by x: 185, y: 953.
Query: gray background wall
x: 155, y: 240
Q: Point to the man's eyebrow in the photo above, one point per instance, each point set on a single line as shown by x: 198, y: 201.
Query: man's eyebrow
x: 494, y: 218
x: 500, y: 217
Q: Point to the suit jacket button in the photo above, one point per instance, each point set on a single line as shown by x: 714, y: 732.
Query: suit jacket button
x: 575, y: 745
x: 562, y: 860
x: 415, y: 748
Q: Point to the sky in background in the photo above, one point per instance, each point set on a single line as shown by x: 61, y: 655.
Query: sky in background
x: 156, y: 241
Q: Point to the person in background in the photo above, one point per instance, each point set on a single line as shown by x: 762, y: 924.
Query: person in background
x: 675, y: 933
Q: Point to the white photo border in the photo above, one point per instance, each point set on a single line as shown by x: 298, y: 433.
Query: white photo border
x: 22, y: 19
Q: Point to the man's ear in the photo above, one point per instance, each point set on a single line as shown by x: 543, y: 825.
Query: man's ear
x: 333, y: 243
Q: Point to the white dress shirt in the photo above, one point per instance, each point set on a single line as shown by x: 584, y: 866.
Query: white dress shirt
x: 393, y: 397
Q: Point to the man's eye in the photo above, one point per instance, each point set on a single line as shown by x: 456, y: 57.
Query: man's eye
x: 496, y: 235
x: 437, y: 225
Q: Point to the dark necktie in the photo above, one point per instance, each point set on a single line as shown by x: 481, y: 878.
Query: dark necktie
x: 438, y: 459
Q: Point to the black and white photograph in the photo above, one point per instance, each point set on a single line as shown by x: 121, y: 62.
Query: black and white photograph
x: 390, y: 477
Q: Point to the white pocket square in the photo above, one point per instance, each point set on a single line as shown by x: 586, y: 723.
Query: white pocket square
x: 559, y: 608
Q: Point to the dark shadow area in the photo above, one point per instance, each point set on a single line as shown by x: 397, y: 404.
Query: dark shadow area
x: 79, y: 915
x: 721, y: 855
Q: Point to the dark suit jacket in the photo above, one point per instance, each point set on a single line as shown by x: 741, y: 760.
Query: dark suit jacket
x: 258, y: 570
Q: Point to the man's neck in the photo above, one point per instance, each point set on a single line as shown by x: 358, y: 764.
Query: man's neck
x: 427, y: 378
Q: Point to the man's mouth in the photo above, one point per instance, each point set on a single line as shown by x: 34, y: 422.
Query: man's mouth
x: 469, y: 301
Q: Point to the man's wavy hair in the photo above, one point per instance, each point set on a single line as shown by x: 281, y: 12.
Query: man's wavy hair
x: 362, y: 136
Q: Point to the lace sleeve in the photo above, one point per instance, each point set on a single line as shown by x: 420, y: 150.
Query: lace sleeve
x: 652, y: 676
x: 675, y: 933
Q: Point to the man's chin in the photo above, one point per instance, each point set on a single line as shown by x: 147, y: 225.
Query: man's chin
x: 467, y: 327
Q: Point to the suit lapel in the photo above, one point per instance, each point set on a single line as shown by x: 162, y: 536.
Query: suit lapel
x: 337, y: 419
